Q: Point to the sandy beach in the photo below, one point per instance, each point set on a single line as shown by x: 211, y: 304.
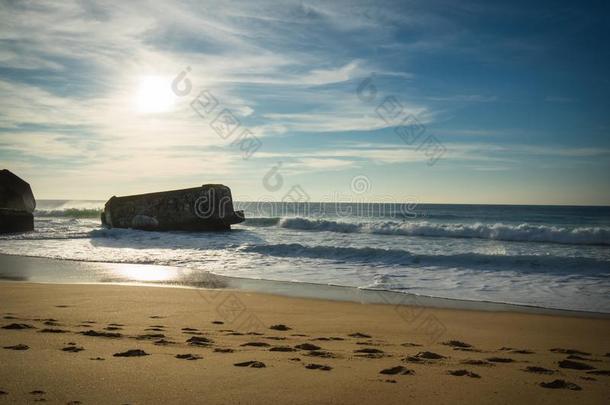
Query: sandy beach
x: 125, y: 344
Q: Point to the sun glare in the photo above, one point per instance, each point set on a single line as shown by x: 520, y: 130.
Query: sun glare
x: 154, y: 95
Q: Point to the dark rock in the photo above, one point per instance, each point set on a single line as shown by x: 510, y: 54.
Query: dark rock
x: 205, y: 208
x: 17, y: 204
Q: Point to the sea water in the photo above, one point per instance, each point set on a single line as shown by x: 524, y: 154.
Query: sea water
x: 547, y: 256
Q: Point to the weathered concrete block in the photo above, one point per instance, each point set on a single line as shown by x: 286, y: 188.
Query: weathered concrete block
x: 209, y: 207
x: 17, y: 203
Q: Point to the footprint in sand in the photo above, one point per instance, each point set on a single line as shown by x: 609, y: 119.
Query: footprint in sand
x: 114, y: 335
x: 599, y: 372
x: 280, y: 327
x: 163, y: 342
x: 463, y: 373
x: 97, y: 358
x: 132, y: 353
x: 370, y: 353
x: 256, y: 344
x: 398, y: 370
x: 73, y: 349
x: 477, y: 363
x: 457, y: 344
x: 409, y: 344
x: 307, y: 346
x: 576, y: 357
x: 282, y: 349
x: 18, y: 326
x: 575, y: 365
x: 218, y: 322
x: 538, y: 370
x: 322, y: 367
x: 48, y: 330
x: 150, y: 336
x: 275, y: 337
x: 321, y: 353
x: 112, y: 328
x: 360, y: 335
x: 570, y: 351
x: 500, y: 359
x: 199, y: 341
x: 18, y: 347
x: 561, y: 384
x: 421, y: 357
x: 223, y: 350
x: 188, y: 356
x: 251, y: 363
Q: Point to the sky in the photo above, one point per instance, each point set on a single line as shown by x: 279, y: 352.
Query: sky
x: 475, y: 102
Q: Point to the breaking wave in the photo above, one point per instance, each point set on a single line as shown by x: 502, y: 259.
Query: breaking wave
x: 69, y: 213
x: 498, y: 231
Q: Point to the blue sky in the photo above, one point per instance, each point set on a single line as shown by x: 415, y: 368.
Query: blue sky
x: 515, y: 94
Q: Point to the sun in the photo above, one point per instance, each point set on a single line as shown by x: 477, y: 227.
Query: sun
x: 154, y: 95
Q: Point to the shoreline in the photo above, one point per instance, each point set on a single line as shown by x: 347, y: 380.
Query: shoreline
x: 104, y: 273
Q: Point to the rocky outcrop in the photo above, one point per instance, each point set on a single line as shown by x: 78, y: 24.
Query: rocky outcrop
x: 17, y: 203
x: 205, y: 208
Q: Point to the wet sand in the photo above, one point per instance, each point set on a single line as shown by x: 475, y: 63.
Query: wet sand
x: 127, y: 344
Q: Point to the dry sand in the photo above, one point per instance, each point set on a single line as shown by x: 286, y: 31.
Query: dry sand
x: 60, y: 364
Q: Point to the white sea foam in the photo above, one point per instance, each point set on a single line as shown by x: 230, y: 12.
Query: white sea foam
x: 498, y: 231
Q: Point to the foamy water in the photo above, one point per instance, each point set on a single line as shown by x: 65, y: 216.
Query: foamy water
x: 555, y: 257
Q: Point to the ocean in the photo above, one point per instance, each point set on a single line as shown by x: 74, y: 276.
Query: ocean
x: 546, y: 256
